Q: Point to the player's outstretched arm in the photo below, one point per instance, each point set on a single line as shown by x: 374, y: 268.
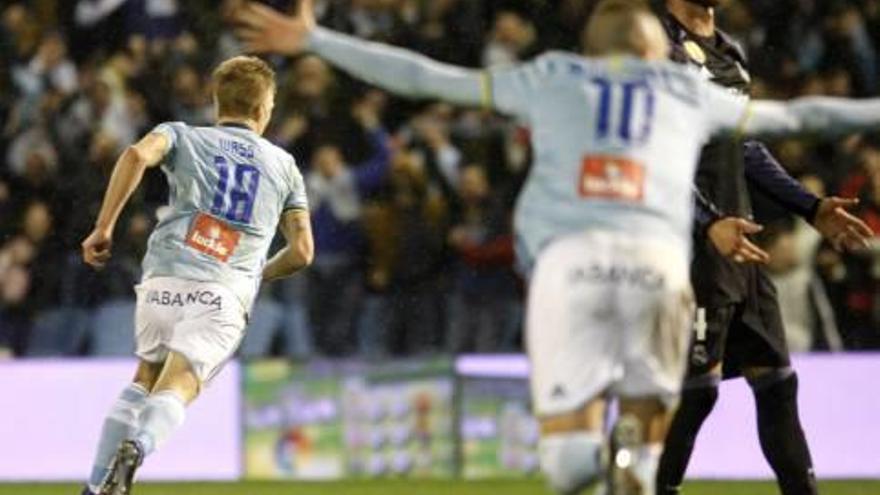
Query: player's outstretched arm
x: 821, y: 115
x: 393, y: 69
x: 297, y: 229
x: 127, y: 175
x: 812, y: 115
x: 828, y: 215
x: 730, y: 113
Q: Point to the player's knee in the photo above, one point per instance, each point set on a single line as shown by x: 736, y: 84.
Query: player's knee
x: 776, y: 385
x: 147, y: 374
x: 700, y: 396
x: 179, y: 377
x: 763, y: 377
x: 571, y: 461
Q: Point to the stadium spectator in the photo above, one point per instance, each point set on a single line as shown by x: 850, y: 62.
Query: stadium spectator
x: 803, y: 301
x: 513, y: 38
x: 413, y: 222
x: 862, y: 282
x: 484, y: 310
x: 336, y: 194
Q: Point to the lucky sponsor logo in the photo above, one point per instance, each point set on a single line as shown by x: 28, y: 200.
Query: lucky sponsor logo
x: 213, y: 237
x: 211, y: 241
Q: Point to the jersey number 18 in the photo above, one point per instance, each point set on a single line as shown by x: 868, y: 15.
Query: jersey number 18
x: 235, y: 201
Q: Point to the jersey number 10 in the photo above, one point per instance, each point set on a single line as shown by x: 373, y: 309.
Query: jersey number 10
x: 235, y: 201
x: 634, y: 102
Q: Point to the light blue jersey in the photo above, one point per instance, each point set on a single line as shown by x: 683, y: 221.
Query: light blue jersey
x: 229, y: 187
x: 616, y: 140
x: 616, y: 143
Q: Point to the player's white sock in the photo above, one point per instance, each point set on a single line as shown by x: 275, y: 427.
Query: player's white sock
x: 571, y: 461
x: 645, y: 468
x: 121, y: 422
x: 162, y: 415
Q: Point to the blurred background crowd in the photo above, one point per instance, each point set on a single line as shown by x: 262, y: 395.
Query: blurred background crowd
x: 411, y: 201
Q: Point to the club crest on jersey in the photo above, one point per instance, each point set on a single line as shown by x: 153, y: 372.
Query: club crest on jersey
x: 213, y: 237
x: 695, y: 52
x: 700, y: 355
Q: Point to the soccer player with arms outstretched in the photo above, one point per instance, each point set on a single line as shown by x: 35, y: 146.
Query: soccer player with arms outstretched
x: 604, y: 220
x: 230, y: 191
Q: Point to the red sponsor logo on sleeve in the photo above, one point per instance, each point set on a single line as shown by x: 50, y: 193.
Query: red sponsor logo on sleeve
x: 212, y: 236
x: 612, y: 177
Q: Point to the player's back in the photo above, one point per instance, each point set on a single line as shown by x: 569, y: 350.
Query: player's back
x: 616, y: 143
x: 228, y: 188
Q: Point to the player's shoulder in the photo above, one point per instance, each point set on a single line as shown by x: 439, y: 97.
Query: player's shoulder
x: 273, y: 149
x: 174, y: 125
x: 682, y: 82
x: 172, y: 129
x: 560, y: 62
x: 669, y: 67
x: 277, y: 153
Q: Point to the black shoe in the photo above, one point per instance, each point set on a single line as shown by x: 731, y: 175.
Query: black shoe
x: 128, y: 459
x: 87, y: 491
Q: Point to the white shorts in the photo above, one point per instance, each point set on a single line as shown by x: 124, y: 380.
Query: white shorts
x: 203, y: 321
x: 608, y: 313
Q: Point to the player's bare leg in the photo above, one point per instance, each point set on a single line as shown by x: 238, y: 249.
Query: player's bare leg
x: 121, y: 422
x: 637, y: 441
x: 147, y: 374
x: 571, y: 448
x: 163, y: 413
x: 779, y: 428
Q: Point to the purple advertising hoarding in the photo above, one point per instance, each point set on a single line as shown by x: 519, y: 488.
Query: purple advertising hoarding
x: 51, y: 413
x: 840, y: 409
x: 839, y: 404
x: 52, y: 410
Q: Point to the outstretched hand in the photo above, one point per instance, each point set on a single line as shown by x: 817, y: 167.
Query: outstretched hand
x: 265, y: 30
x: 842, y: 229
x: 729, y: 235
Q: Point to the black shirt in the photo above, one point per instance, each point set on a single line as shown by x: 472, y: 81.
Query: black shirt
x: 720, y: 174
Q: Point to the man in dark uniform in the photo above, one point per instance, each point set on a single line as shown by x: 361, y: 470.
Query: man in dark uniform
x: 738, y: 327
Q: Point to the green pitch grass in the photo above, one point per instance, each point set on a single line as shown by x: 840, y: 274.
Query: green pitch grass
x: 422, y: 488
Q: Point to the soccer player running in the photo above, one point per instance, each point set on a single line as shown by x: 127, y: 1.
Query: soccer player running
x: 230, y: 191
x: 604, y: 221
x: 738, y: 320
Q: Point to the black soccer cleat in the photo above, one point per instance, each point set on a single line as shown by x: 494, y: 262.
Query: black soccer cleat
x: 121, y: 477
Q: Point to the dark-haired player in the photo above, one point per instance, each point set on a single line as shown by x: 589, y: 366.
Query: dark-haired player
x: 738, y: 330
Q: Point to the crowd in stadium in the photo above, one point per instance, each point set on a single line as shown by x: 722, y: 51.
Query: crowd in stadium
x: 410, y: 202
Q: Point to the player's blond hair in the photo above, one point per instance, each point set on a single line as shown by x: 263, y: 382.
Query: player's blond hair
x: 241, y: 85
x: 621, y: 26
